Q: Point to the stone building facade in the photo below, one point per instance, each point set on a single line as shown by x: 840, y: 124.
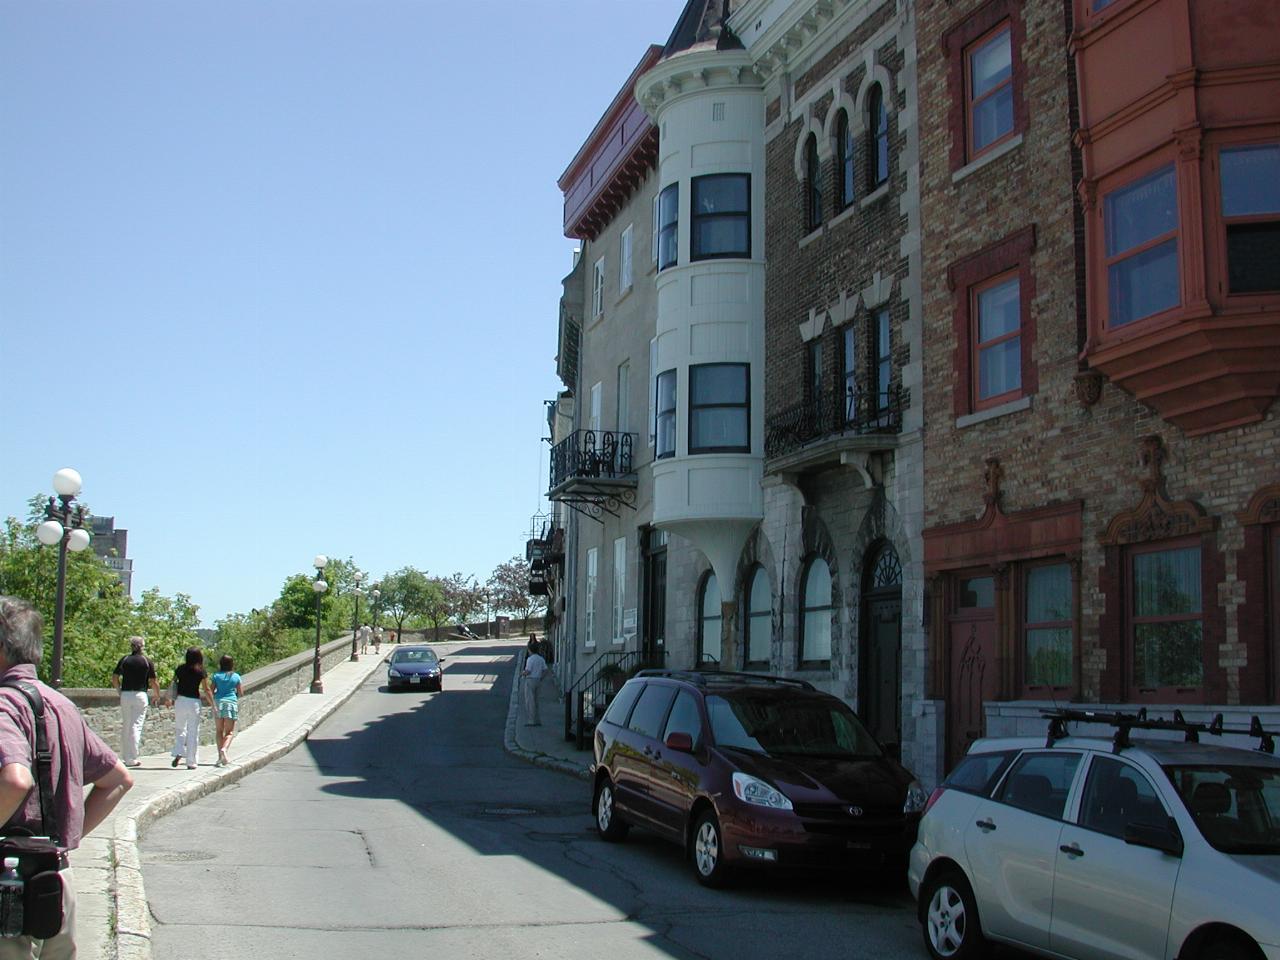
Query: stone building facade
x: 1100, y: 460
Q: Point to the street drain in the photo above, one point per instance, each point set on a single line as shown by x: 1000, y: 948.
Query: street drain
x: 508, y: 811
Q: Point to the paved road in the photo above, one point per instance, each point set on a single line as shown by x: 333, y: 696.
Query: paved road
x: 402, y: 830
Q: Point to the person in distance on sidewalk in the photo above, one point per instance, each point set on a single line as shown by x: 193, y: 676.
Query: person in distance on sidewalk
x: 132, y: 675
x: 535, y: 667
x: 192, y: 688
x: 227, y: 692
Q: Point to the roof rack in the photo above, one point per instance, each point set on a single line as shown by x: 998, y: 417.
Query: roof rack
x: 1124, y: 722
x: 706, y: 678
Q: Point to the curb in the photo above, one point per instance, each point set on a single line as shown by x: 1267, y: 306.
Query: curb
x: 538, y: 759
x: 132, y: 934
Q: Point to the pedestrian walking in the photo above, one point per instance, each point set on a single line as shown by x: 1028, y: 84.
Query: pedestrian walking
x: 377, y: 640
x: 79, y: 757
x: 535, y: 668
x: 364, y: 638
x: 192, y: 686
x: 132, y: 676
x: 227, y: 691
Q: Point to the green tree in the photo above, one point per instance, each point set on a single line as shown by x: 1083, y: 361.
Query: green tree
x: 509, y: 589
x: 464, y: 594
x: 436, y: 606
x: 406, y: 593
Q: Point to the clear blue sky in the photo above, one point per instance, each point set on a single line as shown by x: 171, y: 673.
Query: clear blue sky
x: 281, y: 277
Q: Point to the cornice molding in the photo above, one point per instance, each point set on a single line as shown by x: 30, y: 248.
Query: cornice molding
x: 789, y: 39
x: 693, y: 72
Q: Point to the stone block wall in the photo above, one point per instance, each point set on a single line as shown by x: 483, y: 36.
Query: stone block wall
x: 264, y: 689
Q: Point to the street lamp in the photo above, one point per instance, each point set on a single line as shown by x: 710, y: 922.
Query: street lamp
x: 355, y: 616
x: 319, y: 586
x: 63, y: 525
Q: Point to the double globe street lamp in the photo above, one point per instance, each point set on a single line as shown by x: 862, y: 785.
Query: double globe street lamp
x: 319, y: 586
x: 63, y: 525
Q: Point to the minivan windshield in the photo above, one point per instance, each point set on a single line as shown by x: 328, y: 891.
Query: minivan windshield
x: 763, y: 722
x: 1237, y: 808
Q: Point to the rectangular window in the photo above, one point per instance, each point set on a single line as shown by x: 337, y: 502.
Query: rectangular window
x: 721, y: 216
x: 1141, y: 222
x: 850, y: 373
x: 665, y: 424
x: 593, y: 416
x: 1251, y: 213
x: 989, y: 93
x: 1047, y: 626
x: 815, y: 371
x: 884, y: 358
x: 619, y: 586
x: 589, y: 624
x: 719, y: 408
x: 624, y: 260
x: 597, y: 289
x: 653, y: 390
x: 623, y: 423
x: 668, y: 223
x: 997, y: 341
x: 1166, y: 620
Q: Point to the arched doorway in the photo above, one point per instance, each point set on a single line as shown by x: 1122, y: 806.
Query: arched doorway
x: 880, y: 663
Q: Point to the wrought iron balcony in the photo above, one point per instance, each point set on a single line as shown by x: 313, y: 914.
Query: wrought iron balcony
x: 858, y: 413
x: 594, y: 471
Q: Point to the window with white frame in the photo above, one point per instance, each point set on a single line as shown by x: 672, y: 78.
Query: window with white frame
x: 815, y: 613
x: 665, y: 421
x: 720, y: 216
x: 597, y: 289
x: 622, y: 424
x: 589, y: 626
x: 759, y: 618
x: 719, y: 408
x: 668, y: 225
x: 624, y: 260
x: 653, y: 390
x: 593, y: 416
x: 619, y: 586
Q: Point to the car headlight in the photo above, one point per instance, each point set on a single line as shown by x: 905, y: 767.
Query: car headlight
x: 393, y: 672
x: 433, y: 672
x: 749, y: 789
x: 916, y: 798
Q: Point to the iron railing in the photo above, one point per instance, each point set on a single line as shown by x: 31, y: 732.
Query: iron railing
x: 588, y: 696
x: 594, y: 455
x: 857, y: 413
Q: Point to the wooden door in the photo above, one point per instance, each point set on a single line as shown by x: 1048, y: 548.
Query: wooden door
x: 882, y: 669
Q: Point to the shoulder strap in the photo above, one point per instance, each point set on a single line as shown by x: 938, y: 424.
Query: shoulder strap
x: 44, y: 756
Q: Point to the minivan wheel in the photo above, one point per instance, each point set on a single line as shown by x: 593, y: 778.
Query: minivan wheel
x: 708, y: 851
x: 950, y: 921
x: 608, y: 824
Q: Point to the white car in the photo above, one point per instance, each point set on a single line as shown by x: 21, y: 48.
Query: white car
x: 1100, y: 849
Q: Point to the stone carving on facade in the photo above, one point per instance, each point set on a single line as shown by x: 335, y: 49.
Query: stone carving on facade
x: 1156, y: 517
x: 991, y: 477
x: 1088, y: 384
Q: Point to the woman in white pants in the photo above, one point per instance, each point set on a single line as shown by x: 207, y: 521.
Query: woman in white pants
x: 132, y: 676
x: 192, y: 687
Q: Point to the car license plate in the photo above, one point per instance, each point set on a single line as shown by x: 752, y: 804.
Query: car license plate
x: 415, y: 679
x: 857, y: 845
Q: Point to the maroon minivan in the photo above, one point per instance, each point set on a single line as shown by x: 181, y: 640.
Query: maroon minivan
x: 751, y: 770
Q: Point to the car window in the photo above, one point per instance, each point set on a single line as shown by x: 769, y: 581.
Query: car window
x: 651, y: 710
x: 978, y: 772
x: 621, y: 704
x: 765, y: 722
x: 684, y: 717
x: 1039, y: 782
x: 1236, y: 806
x: 414, y: 656
x: 1117, y: 794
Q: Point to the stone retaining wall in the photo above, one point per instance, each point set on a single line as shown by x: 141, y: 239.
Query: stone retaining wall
x: 264, y: 690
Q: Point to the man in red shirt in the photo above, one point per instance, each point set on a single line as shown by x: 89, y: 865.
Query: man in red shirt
x: 79, y: 757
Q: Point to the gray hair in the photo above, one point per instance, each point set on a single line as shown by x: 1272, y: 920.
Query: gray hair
x: 136, y: 644
x: 21, y: 631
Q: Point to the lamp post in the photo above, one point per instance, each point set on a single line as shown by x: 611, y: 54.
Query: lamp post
x: 319, y: 586
x: 355, y: 616
x: 63, y: 525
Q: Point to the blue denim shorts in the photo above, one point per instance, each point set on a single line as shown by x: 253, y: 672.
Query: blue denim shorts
x: 228, y: 709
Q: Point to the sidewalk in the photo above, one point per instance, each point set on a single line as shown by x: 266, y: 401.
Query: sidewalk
x: 112, y: 917
x: 543, y: 745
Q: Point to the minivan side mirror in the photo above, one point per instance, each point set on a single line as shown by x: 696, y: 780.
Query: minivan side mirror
x: 1163, y: 838
x: 680, y: 742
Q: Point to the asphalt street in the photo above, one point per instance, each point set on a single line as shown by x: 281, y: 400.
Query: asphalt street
x: 402, y: 829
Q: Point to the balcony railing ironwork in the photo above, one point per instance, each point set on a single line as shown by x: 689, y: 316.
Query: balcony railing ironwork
x: 593, y: 455
x: 856, y: 413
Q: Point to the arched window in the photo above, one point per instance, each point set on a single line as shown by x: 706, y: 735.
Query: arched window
x: 759, y: 617
x: 813, y: 183
x: 844, y: 159
x: 709, y: 615
x: 815, y: 614
x: 877, y: 138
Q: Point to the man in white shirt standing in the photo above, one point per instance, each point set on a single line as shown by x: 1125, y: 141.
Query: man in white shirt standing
x: 535, y: 668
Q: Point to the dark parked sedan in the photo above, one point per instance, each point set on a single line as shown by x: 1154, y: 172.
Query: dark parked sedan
x: 415, y: 666
x: 748, y: 770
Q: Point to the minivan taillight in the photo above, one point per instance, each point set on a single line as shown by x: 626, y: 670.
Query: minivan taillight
x: 933, y: 798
